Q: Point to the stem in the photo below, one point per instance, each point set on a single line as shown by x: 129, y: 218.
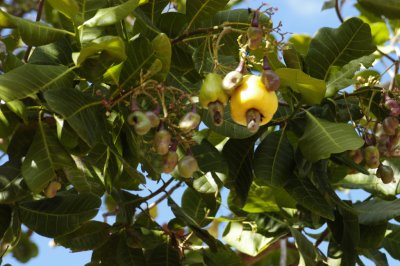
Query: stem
x: 152, y: 195
x: 283, y: 258
x: 166, y: 195
x: 396, y: 71
x: 321, y: 238
x: 38, y: 16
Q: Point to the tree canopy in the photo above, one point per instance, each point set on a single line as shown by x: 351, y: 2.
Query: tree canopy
x: 98, y: 97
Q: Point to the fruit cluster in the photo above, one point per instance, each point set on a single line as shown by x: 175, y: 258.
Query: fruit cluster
x: 383, y: 144
x: 252, y: 99
x: 169, y: 128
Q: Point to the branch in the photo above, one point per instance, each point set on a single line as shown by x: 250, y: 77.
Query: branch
x: 152, y: 195
x: 38, y: 16
x: 166, y: 195
x: 321, y: 238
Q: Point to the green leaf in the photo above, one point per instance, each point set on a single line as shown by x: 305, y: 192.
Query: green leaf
x: 380, y: 32
x: 45, y: 156
x: 162, y: 50
x: 199, y: 206
x: 336, y: 47
x: 246, y: 240
x: 127, y: 256
x: 229, y: 128
x: 33, y: 78
x: 379, y: 258
x: 62, y: 214
x: 345, y: 76
x: 171, y: 23
x: 111, y: 15
x: 321, y: 138
x: 57, y: 53
x: 209, y: 183
x: 260, y: 199
x: 239, y: 156
x: 140, y: 55
x: 198, y: 10
x: 376, y: 211
x: 90, y: 235
x: 164, y: 255
x: 209, y: 158
x: 80, y: 110
x: 113, y: 46
x: 391, y: 243
x: 292, y: 57
x: 305, y: 193
x: 5, y: 220
x: 312, y: 90
x: 223, y: 256
x: 32, y: 33
x: 273, y: 160
x: 328, y: 4
x: 387, y: 8
x: 371, y: 236
x: 308, y: 253
x: 69, y: 8
x: 301, y: 43
x: 154, y: 8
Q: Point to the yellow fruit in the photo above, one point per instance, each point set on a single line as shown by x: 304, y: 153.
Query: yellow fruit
x: 252, y: 94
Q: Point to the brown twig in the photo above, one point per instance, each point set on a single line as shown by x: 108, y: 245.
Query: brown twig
x: 321, y: 238
x: 166, y: 195
x: 396, y: 71
x: 38, y: 16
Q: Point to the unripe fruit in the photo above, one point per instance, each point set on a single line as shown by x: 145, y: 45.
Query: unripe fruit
x: 170, y: 161
x: 216, y: 110
x: 140, y: 122
x: 154, y: 119
x: 252, y: 94
x: 231, y: 81
x: 390, y: 124
x: 162, y: 140
x: 357, y: 156
x: 187, y: 166
x: 52, y: 188
x: 385, y: 173
x: 189, y: 122
x: 254, y: 35
x: 211, y: 90
x: 270, y: 80
x: 371, y: 155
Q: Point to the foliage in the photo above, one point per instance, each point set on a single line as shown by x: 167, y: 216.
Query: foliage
x: 99, y: 97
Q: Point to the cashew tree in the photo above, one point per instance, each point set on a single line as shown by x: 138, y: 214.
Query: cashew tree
x: 101, y: 97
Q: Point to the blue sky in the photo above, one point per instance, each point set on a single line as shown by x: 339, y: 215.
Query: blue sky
x: 297, y: 16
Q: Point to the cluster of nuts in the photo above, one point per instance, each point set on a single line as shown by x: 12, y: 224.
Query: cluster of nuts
x: 168, y: 132
x: 385, y: 144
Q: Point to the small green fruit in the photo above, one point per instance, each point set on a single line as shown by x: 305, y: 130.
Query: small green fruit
x: 211, y: 91
x: 154, y: 119
x: 390, y: 124
x: 162, y: 140
x: 189, y: 122
x: 254, y: 35
x: 371, y: 155
x: 187, y: 166
x: 231, y: 81
x: 385, y: 173
x: 170, y: 161
x: 140, y: 122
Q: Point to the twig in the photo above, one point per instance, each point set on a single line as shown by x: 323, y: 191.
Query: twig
x: 152, y: 195
x: 166, y: 195
x: 38, y: 16
x: 321, y: 237
x: 396, y: 71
